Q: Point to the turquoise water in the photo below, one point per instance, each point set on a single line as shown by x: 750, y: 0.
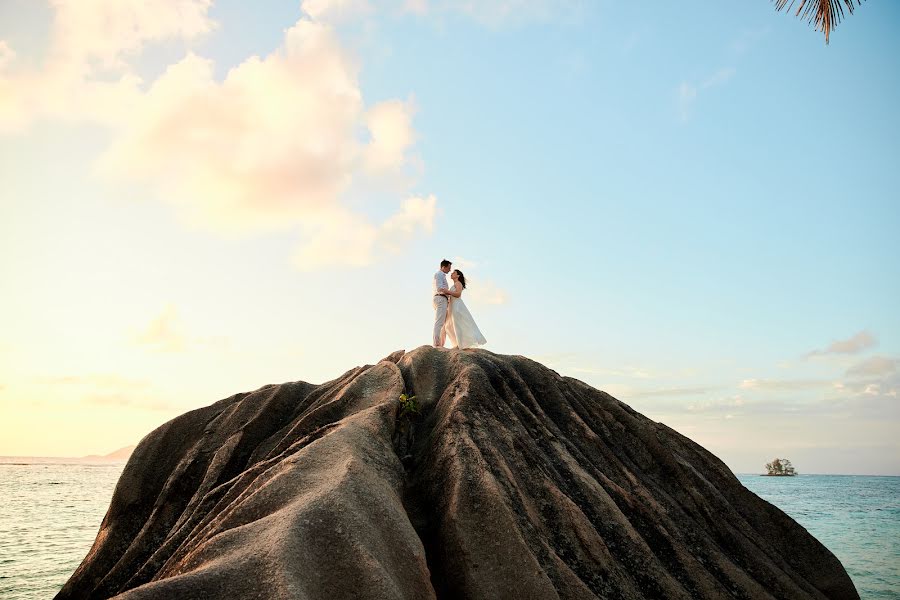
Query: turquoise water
x: 856, y: 517
x: 50, y: 514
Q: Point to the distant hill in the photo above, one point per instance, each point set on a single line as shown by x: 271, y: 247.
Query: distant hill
x: 120, y: 455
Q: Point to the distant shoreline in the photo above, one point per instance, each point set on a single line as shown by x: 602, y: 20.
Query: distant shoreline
x: 119, y: 456
x: 60, y: 460
x: 104, y: 461
x: 816, y: 475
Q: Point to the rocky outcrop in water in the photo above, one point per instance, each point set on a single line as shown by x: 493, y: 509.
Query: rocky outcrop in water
x: 513, y: 482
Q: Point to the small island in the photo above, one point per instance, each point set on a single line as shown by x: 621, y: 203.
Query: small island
x: 780, y: 467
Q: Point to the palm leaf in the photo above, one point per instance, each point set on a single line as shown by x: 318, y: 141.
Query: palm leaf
x: 824, y: 14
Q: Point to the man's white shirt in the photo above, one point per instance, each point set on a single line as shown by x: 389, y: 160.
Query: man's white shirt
x: 439, y: 282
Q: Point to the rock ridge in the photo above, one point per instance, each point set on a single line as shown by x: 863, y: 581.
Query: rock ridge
x: 515, y: 482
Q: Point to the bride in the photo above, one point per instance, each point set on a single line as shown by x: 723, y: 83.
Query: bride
x: 460, y: 327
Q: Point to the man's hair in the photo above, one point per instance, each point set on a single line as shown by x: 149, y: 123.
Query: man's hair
x: 445, y: 263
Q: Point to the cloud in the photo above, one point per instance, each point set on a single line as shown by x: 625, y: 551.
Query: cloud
x: 103, y: 31
x: 392, y: 134
x: 687, y: 92
x: 416, y: 213
x: 486, y: 292
x: 874, y: 366
x: 726, y: 405
x: 274, y: 146
x: 416, y: 7
x: 337, y: 10
x: 85, y: 75
x: 749, y: 38
x: 852, y: 345
x: 464, y: 263
x: 628, y: 372
x: 343, y: 238
x: 7, y: 54
x: 491, y: 13
x: 674, y: 391
x: 108, y: 389
x: 128, y: 400
x: 478, y: 290
x: 98, y: 380
x: 876, y: 377
x: 496, y: 13
x: 641, y: 372
x: 785, y: 384
x: 163, y: 333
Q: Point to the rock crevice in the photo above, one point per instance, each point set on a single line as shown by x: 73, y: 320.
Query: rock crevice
x: 514, y: 483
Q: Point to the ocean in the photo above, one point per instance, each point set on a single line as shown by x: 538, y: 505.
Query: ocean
x: 856, y: 517
x: 50, y: 514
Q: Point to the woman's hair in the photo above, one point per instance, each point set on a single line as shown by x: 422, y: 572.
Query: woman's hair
x: 462, y: 278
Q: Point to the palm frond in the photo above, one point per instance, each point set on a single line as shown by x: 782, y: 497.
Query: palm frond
x: 824, y: 14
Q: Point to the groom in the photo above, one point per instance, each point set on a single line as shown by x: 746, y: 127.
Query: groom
x: 439, y: 290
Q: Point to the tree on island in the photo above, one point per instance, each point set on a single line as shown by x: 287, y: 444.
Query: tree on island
x: 780, y: 466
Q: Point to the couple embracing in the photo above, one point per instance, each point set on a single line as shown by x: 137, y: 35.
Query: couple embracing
x: 451, y: 317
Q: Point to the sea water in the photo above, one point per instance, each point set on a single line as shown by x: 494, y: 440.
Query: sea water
x: 49, y: 517
x: 50, y: 514
x: 856, y: 517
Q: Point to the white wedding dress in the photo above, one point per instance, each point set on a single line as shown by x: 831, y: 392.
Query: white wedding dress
x: 460, y: 326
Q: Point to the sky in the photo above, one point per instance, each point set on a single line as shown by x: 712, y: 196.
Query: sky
x: 693, y: 206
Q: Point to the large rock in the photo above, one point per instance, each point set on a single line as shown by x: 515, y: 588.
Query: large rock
x: 513, y: 482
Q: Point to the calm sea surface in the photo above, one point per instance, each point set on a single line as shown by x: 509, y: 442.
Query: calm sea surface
x: 856, y: 517
x: 50, y: 514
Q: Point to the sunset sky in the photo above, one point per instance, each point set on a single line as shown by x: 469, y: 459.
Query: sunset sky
x: 694, y: 206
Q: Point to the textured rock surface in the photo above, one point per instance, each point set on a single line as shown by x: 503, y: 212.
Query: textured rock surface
x: 515, y: 483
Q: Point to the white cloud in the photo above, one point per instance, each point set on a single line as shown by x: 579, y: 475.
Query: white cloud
x: 749, y: 38
x: 128, y: 399
x: 7, y: 54
x: 107, y: 389
x: 342, y: 238
x: 417, y: 7
x: 785, y: 384
x: 728, y: 405
x: 718, y: 78
x: 85, y: 75
x: 674, y: 391
x: 852, y: 345
x: 164, y: 333
x: 480, y: 291
x: 105, y: 31
x: 486, y: 292
x: 273, y: 143
x: 416, y: 213
x: 687, y: 92
x: 97, y: 380
x: 491, y: 13
x: 274, y: 146
x: 336, y: 10
x: 494, y: 13
x: 874, y: 366
x: 390, y: 127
